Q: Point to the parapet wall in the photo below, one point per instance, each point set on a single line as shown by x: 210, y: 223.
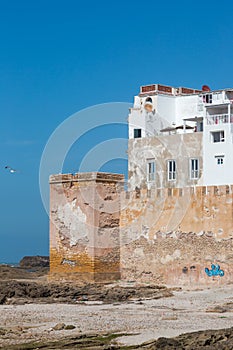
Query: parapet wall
x: 171, y: 235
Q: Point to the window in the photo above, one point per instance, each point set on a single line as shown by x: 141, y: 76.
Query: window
x: 219, y: 159
x: 207, y: 98
x: 218, y: 136
x: 194, y: 168
x: 149, y: 99
x: 171, y: 169
x: 150, y: 170
x: 137, y: 133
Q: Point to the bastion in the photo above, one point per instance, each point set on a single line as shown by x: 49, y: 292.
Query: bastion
x: 84, y: 226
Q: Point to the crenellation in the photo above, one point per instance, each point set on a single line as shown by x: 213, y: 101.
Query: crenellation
x: 93, y: 176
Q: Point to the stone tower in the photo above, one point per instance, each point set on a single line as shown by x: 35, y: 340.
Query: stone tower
x: 84, y: 226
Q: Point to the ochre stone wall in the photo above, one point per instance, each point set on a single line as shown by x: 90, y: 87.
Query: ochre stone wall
x: 84, y: 227
x: 98, y: 232
x: 171, y: 235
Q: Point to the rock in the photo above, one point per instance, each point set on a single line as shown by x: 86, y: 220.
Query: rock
x: 2, y: 298
x: 16, y: 329
x: 218, y: 308
x: 14, y: 292
x: 69, y: 326
x: 8, y: 272
x: 2, y: 331
x: 59, y: 326
x: 210, y: 339
x: 30, y: 262
x: 170, y: 318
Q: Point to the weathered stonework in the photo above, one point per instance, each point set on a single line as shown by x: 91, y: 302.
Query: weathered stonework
x: 171, y: 235
x: 162, y: 148
x: 98, y: 232
x: 84, y: 226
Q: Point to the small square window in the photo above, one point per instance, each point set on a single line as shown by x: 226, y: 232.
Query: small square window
x: 218, y: 136
x: 219, y: 160
x: 137, y: 133
x: 207, y: 98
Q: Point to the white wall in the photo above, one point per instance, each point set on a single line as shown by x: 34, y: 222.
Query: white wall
x: 166, y: 108
x: 162, y: 115
x: 213, y: 173
x: 187, y: 107
x: 136, y: 121
x: 173, y: 109
x: 138, y: 116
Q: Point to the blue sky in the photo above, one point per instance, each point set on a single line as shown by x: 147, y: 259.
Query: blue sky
x: 58, y: 57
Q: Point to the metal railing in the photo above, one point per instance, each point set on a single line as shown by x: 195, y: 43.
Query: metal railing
x: 219, y: 119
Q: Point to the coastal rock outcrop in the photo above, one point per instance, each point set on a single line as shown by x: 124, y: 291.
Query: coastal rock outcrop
x: 29, y: 262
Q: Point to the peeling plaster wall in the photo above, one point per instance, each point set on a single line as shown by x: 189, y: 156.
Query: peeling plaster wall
x: 74, y: 219
x: 180, y: 147
x: 172, y: 236
x: 98, y: 232
x: 84, y: 226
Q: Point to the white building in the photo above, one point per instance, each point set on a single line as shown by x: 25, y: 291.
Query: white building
x: 180, y: 137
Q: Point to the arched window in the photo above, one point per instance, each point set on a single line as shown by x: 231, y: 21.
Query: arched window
x: 149, y: 99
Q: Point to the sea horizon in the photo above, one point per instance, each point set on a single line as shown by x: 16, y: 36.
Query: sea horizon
x: 10, y: 263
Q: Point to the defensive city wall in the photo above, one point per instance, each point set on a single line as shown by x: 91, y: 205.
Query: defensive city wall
x: 101, y: 233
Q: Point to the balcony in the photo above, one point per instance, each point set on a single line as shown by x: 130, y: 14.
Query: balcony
x: 219, y: 119
x: 213, y: 99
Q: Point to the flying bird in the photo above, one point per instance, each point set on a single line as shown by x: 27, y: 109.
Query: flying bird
x: 10, y: 169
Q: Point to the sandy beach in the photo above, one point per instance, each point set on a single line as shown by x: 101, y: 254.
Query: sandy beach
x: 142, y: 319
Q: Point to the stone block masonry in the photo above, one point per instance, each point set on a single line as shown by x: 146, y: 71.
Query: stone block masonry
x: 84, y: 227
x: 99, y: 233
x: 171, y: 235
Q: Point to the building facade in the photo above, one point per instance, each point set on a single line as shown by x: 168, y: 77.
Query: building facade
x: 180, y: 137
x: 175, y: 220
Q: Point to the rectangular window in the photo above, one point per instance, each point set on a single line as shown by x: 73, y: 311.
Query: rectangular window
x: 218, y: 136
x: 150, y: 170
x: 171, y: 170
x: 194, y: 168
x: 219, y: 160
x: 207, y: 98
x: 137, y: 133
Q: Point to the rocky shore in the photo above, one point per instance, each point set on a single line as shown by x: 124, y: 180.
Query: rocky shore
x: 34, y: 262
x: 24, y: 292
x: 36, y: 314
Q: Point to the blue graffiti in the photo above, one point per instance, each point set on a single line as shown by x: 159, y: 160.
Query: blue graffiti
x: 215, y: 271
